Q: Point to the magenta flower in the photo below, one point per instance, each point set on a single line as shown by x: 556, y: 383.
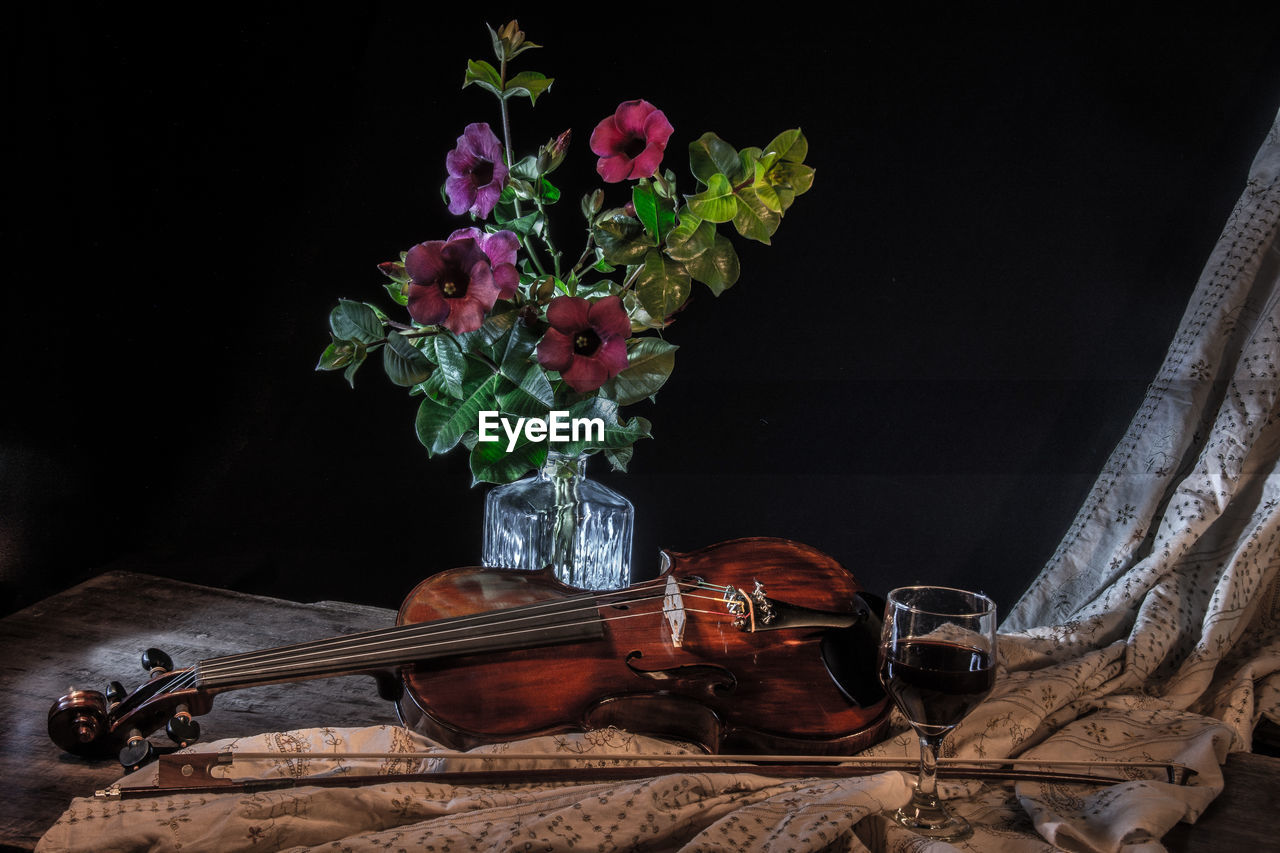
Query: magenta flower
x: 587, y: 341
x: 477, y: 172
x: 630, y: 143
x: 454, y: 282
x: 501, y: 248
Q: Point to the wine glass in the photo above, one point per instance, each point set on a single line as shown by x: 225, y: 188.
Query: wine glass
x: 937, y: 661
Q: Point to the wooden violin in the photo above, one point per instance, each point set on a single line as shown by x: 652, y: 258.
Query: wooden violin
x: 748, y: 646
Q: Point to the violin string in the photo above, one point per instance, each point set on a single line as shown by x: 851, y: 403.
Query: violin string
x: 191, y: 676
x: 409, y: 652
x: 396, y: 632
x: 606, y: 598
x: 228, y: 666
x: 298, y: 658
x: 311, y: 653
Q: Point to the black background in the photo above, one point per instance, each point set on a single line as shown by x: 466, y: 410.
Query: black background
x: 921, y: 376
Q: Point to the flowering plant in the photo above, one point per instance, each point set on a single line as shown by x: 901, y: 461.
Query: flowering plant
x: 498, y: 321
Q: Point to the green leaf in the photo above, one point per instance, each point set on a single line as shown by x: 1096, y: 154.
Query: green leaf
x: 708, y: 255
x: 491, y: 463
x: 717, y: 202
x: 355, y: 321
x: 790, y: 180
x: 619, y: 435
x: 525, y: 225
x: 718, y: 267
x: 649, y: 365
x: 691, y: 237
x: 483, y: 75
x: 357, y: 359
x: 620, y: 238
x: 440, y: 428
x: 754, y: 220
x: 404, y: 363
x: 548, y: 192
x: 531, y: 84
x: 445, y: 352
x: 398, y: 291
x: 657, y: 214
x: 433, y: 388
x: 790, y: 145
x: 395, y: 271
x: 614, y: 435
x: 533, y: 397
x: 620, y: 458
x: 337, y: 355
x: 662, y: 285
x: 492, y: 331
x: 709, y: 155
x: 520, y: 345
x: 598, y: 289
x: 526, y: 169
x: 640, y: 319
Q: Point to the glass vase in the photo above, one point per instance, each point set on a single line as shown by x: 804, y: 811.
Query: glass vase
x: 559, y: 518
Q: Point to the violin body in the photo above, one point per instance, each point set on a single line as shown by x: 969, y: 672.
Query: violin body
x: 735, y: 647
x: 723, y: 688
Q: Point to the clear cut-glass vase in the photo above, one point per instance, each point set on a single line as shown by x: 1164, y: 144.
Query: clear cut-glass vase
x: 559, y: 518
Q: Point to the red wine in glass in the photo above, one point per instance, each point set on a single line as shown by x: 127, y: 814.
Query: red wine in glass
x: 936, y: 683
x: 937, y: 661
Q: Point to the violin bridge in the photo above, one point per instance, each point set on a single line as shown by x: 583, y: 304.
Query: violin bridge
x: 673, y: 610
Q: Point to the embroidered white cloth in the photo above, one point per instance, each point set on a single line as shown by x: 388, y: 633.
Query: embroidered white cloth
x: 1151, y: 634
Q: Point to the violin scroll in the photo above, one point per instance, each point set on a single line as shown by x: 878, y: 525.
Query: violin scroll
x: 78, y: 721
x: 94, y: 724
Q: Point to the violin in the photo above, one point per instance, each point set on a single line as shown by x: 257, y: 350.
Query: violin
x: 750, y: 646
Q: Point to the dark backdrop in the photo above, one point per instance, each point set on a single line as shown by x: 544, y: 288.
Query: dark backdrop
x: 921, y: 376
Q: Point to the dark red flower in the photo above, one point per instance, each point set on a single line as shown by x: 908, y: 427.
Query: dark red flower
x: 501, y: 247
x: 477, y: 172
x: 587, y: 341
x: 454, y: 282
x: 630, y: 143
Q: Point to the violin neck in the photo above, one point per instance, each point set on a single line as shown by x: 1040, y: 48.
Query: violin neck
x: 541, y: 624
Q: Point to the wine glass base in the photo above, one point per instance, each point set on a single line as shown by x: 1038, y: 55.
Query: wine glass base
x: 932, y: 823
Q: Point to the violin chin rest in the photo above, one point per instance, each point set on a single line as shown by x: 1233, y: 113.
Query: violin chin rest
x: 852, y: 655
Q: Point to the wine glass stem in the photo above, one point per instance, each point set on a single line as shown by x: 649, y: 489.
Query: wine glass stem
x: 927, y: 787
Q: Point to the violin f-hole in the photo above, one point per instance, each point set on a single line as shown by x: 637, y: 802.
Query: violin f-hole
x: 713, y: 678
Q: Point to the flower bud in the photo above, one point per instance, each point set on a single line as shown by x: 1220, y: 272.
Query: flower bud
x: 529, y: 315
x: 551, y: 155
x: 592, y: 204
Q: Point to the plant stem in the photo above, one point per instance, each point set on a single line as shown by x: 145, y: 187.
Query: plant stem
x: 586, y: 253
x: 631, y: 279
x: 506, y: 124
x: 555, y: 256
x: 507, y: 155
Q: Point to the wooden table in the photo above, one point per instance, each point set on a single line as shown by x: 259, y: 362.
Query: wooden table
x: 95, y: 633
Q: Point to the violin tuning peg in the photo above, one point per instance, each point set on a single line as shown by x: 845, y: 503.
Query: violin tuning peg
x: 181, y: 729
x: 137, y: 751
x: 156, y: 662
x: 115, y: 692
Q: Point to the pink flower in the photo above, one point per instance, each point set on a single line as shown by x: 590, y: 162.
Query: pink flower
x: 587, y: 342
x: 454, y: 282
x: 630, y: 143
x: 477, y: 172
x: 501, y: 248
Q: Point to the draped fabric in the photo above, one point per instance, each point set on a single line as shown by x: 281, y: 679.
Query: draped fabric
x: 1150, y: 635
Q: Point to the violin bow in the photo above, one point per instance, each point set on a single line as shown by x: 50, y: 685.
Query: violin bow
x: 209, y: 772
